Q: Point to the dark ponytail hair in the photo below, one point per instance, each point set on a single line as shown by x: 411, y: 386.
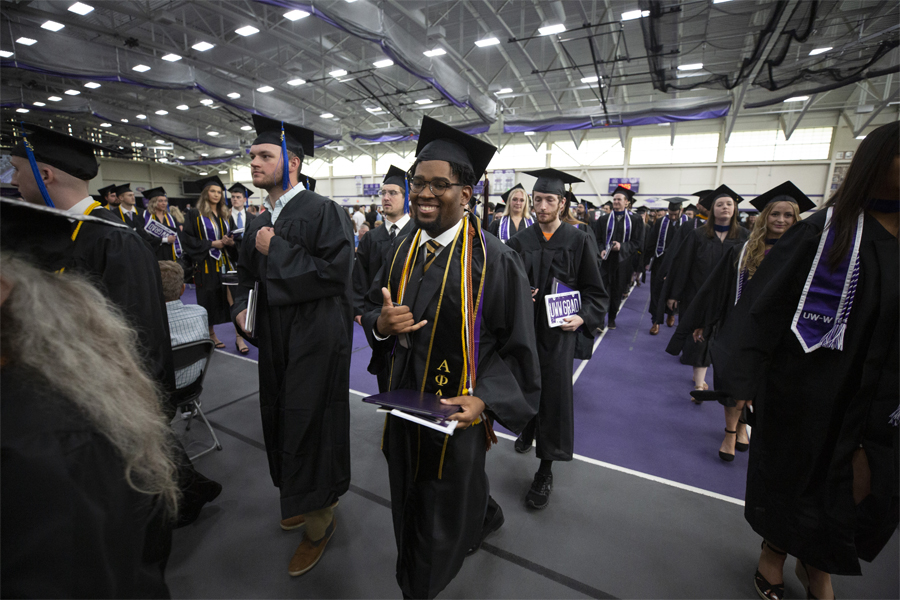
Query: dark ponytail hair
x: 870, y: 165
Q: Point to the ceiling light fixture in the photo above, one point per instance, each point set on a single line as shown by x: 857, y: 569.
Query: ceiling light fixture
x: 265, y: 89
x: 171, y: 58
x: 246, y: 30
x: 26, y: 41
x: 137, y: 145
x: 591, y: 79
x: 105, y: 124
x: 124, y: 120
x: 229, y: 152
x: 204, y: 154
x: 54, y: 98
x: 204, y: 172
x: 206, y: 102
x: 551, y: 29
x: 820, y: 51
x: 798, y: 99
x: 326, y: 115
x: 380, y: 64
x: 296, y: 15
x: 212, y: 133
x: 52, y: 26
x: 39, y: 104
x: 160, y: 141
x: 180, y: 158
x: 72, y: 92
x: 505, y: 91
x: 690, y: 67
x: 162, y: 113
x: 435, y: 52
x: 234, y: 95
x: 296, y: 82
x: 140, y: 68
x: 182, y: 107
x: 529, y: 133
x: 223, y: 172
x: 491, y: 41
x: 635, y: 14
x: 337, y: 73
x: 92, y: 85
x: 424, y: 101
x: 5, y: 54
x: 80, y: 9
x: 203, y: 46
x: 141, y: 116
x: 246, y: 128
x: 22, y: 110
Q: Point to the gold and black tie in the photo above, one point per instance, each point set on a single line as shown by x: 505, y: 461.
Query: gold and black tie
x: 431, y: 247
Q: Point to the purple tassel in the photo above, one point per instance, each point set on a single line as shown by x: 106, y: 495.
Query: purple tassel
x: 895, y: 417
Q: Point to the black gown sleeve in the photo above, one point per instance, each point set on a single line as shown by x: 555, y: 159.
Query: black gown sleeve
x: 361, y: 274
x: 594, y: 295
x: 194, y: 246
x: 494, y: 227
x: 680, y: 271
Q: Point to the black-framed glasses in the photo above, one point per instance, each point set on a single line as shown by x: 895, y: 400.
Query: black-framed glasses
x: 384, y: 192
x: 437, y: 186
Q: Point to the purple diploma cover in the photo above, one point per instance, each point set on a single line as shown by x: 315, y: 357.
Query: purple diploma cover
x: 417, y: 403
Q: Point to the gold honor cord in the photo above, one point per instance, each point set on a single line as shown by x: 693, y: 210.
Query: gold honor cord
x: 75, y: 233
x: 200, y: 230
x: 174, y: 227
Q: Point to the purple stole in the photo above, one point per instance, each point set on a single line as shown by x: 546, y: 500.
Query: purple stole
x: 821, y: 317
x: 504, y: 226
x: 170, y: 223
x: 611, y: 226
x: 664, y: 231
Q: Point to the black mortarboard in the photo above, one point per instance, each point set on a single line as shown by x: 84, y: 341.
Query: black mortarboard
x: 624, y: 190
x: 68, y: 154
x: 121, y: 189
x: 504, y: 197
x: 299, y: 140
x: 106, y: 190
x: 153, y: 193
x: 692, y: 207
x: 438, y: 141
x: 241, y: 189
x: 38, y: 234
x: 552, y: 181
x: 208, y: 181
x: 607, y: 203
x: 701, y: 193
x: 307, y: 181
x: 675, y: 203
x: 395, y: 176
x: 640, y: 210
x: 786, y: 192
x: 723, y: 190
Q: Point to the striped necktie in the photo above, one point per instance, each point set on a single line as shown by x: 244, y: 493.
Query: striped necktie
x: 431, y: 246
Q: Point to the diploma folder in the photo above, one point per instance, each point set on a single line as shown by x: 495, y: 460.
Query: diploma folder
x: 562, y: 303
x: 418, y: 407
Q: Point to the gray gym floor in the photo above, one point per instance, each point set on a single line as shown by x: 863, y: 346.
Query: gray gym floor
x: 605, y: 534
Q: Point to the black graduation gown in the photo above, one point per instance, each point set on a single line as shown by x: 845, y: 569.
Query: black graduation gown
x: 136, y: 222
x: 165, y: 251
x: 370, y: 255
x: 571, y: 257
x: 127, y: 273
x: 72, y: 526
x: 812, y: 411
x: 494, y: 227
x: 616, y: 269
x: 211, y: 294
x: 584, y: 345
x: 657, y: 273
x: 439, y: 498
x: 694, y: 260
x: 303, y: 332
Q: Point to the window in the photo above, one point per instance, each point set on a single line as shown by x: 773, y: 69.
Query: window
x: 361, y: 165
x: 519, y: 156
x: 687, y: 149
x: 805, y: 144
x: 591, y: 153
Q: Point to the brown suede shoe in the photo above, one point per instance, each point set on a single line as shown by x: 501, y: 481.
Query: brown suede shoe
x: 298, y: 522
x: 670, y: 321
x: 655, y: 329
x: 309, y: 552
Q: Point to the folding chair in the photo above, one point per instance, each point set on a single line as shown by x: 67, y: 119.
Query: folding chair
x: 184, y: 356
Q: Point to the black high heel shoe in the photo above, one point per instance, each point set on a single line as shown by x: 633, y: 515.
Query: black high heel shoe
x: 724, y: 455
x: 766, y: 590
x: 740, y: 446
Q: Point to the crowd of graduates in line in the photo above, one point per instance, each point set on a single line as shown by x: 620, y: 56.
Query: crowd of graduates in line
x: 799, y: 318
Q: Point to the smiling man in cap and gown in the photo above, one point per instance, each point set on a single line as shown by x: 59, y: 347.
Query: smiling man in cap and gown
x: 420, y: 304
x: 300, y: 253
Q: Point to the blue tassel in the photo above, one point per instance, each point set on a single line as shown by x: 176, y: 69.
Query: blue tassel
x: 406, y: 197
x: 37, y: 172
x: 285, y: 177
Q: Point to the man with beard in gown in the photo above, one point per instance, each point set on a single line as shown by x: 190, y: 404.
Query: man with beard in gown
x: 553, y: 250
x: 619, y: 236
x: 300, y: 253
x: 440, y: 499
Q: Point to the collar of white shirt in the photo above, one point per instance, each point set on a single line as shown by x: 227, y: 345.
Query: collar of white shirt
x: 82, y: 206
x: 285, y: 198
x: 445, y: 239
x: 400, y: 223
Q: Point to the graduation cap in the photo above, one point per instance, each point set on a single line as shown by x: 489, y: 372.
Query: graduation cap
x: 38, y: 234
x: 438, y: 141
x: 395, y: 176
x: 723, y: 190
x: 692, y: 207
x: 786, y: 192
x: 208, y: 181
x: 307, y: 181
x: 552, y: 181
x: 504, y: 197
x: 121, y: 189
x: 153, y: 193
x: 607, y: 203
x: 641, y: 210
x: 675, y: 203
x: 240, y: 188
x: 299, y: 140
x: 68, y: 154
x: 701, y: 193
x: 629, y: 194
x: 104, y: 191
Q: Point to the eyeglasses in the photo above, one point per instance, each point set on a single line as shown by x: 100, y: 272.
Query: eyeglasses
x: 437, y: 186
x: 388, y: 193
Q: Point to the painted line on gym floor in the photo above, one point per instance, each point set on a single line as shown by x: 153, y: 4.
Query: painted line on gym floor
x: 669, y: 482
